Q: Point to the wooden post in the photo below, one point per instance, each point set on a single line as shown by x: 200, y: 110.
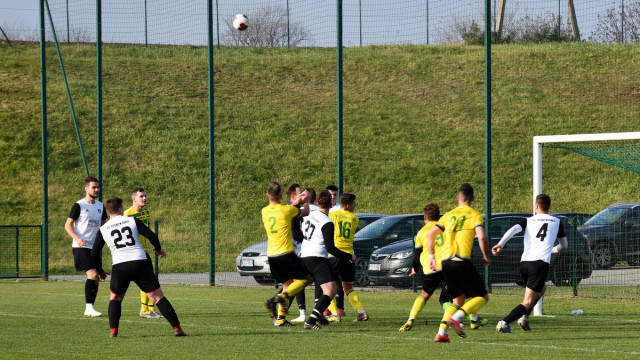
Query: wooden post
x: 573, y: 20
x: 500, y: 20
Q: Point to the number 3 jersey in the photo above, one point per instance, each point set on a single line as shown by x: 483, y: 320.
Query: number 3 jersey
x: 541, y: 232
x: 122, y: 235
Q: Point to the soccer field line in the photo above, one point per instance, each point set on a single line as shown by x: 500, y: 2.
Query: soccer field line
x: 325, y: 331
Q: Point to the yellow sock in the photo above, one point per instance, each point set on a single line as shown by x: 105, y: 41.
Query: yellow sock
x: 294, y: 288
x: 144, y: 299
x: 418, y: 305
x: 447, y: 314
x: 473, y: 305
x: 333, y: 307
x: 354, y: 300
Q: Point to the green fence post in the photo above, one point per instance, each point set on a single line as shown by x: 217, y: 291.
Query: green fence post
x: 212, y: 206
x: 44, y: 233
x: 427, y: 22
x: 17, y: 251
x: 622, y: 23
x: 288, y: 29
x: 487, y: 121
x: 146, y: 34
x: 339, y: 95
x: 6, y: 37
x: 360, y: 21
x: 99, y: 93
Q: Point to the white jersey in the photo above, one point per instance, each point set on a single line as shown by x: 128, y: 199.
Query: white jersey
x: 541, y: 232
x: 87, y: 219
x: 120, y: 233
x: 313, y: 244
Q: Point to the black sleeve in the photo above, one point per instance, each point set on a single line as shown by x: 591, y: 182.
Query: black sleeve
x: 296, y: 230
x: 98, y: 244
x: 416, y: 258
x: 105, y: 216
x: 150, y: 235
x: 328, y: 231
x: 75, y: 211
x: 523, y: 224
x: 561, y: 233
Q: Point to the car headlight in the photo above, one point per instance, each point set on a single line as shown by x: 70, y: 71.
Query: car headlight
x: 401, y: 254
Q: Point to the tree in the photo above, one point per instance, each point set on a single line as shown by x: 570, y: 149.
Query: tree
x: 267, y: 28
x: 610, y: 25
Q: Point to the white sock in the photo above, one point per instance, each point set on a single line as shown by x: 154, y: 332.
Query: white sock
x: 442, y: 332
x: 89, y: 307
x: 474, y: 318
x: 459, y: 315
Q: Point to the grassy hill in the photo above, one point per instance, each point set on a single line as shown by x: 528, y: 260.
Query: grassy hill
x: 413, y: 131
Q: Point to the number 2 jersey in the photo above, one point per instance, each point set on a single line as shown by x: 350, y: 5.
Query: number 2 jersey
x: 122, y: 236
x: 541, y: 232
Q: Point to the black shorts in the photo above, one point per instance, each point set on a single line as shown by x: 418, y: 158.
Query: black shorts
x: 82, y: 259
x: 534, y: 274
x: 320, y: 269
x: 463, y: 279
x: 286, y: 267
x: 431, y: 281
x: 138, y: 271
x: 343, y: 269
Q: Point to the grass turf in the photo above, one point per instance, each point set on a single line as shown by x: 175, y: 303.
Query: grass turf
x: 43, y: 320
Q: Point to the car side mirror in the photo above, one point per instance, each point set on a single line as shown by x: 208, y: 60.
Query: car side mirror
x: 392, y: 237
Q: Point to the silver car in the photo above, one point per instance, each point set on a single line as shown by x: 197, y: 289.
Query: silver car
x: 252, y: 261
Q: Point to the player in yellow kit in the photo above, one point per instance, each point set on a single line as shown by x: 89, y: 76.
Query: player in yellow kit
x: 140, y: 211
x: 346, y: 223
x: 285, y: 265
x: 459, y: 227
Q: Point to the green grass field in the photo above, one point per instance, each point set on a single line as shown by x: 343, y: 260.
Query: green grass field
x: 43, y: 320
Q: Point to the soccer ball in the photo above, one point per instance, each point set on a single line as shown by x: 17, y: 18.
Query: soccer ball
x: 240, y: 22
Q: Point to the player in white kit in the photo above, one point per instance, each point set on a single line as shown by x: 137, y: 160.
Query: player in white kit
x: 130, y: 263
x: 541, y: 232
x: 318, y: 230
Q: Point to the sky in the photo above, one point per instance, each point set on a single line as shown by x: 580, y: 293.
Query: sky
x: 365, y: 22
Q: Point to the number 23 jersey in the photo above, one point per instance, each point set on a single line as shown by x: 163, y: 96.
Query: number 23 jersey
x: 540, y: 234
x: 121, y: 235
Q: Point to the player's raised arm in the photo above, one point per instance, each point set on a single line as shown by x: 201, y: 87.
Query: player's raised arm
x: 506, y: 237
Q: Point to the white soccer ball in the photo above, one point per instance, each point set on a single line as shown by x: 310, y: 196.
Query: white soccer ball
x: 240, y: 22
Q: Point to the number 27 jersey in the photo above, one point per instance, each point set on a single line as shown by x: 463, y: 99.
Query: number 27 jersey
x: 120, y: 233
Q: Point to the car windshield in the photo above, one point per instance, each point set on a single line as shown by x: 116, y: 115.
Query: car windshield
x: 376, y: 228
x: 607, y: 216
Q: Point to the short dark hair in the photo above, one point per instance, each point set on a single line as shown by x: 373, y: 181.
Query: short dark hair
x: 544, y: 201
x: 432, y: 211
x: 274, y: 189
x: 466, y: 192
x: 136, y: 190
x: 331, y: 188
x: 347, y: 199
x: 113, y: 205
x: 89, y: 180
x: 324, y: 199
x: 292, y: 188
x: 312, y: 194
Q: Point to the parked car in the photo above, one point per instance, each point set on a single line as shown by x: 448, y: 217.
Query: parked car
x: 380, y: 233
x: 252, y: 261
x: 391, y: 265
x: 575, y: 218
x: 614, y: 235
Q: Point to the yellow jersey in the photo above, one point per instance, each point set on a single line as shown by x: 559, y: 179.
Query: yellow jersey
x: 277, y: 223
x: 421, y: 242
x: 346, y: 224
x: 459, y: 230
x: 143, y: 216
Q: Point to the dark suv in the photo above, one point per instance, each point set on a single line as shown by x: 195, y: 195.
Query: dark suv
x: 614, y: 235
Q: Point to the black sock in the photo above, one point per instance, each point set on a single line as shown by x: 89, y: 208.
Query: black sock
x: 321, y: 305
x: 515, y: 314
x: 90, y: 291
x: 168, y: 312
x: 301, y: 300
x: 115, y: 311
x: 340, y: 297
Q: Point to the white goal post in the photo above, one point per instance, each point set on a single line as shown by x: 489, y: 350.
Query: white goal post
x: 539, y: 141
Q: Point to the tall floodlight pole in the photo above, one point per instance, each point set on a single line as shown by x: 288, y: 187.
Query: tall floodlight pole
x: 212, y: 218
x: 99, y: 91
x: 339, y: 95
x: 44, y: 249
x: 487, y: 121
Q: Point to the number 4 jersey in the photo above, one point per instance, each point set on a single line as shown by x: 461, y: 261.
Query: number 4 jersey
x: 541, y: 232
x: 122, y: 236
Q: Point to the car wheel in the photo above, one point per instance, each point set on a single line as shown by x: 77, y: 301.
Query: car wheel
x: 562, y: 274
x: 603, y: 256
x: 362, y: 276
x: 262, y: 280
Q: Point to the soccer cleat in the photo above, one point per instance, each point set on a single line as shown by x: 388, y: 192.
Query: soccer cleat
x: 284, y: 323
x: 334, y: 318
x: 308, y: 326
x: 92, y: 313
x: 322, y: 320
x: 278, y: 299
x: 113, y: 332
x: 478, y: 323
x: 178, y: 332
x: 524, y: 324
x: 362, y: 317
x: 407, y: 326
x: 503, y: 327
x: 300, y: 318
x: 440, y: 338
x: 458, y: 326
x: 155, y: 314
x: 149, y: 315
x: 270, y: 305
x: 342, y: 313
x: 326, y: 312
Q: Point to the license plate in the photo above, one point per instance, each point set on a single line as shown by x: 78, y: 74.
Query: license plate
x: 374, y: 267
x: 247, y: 262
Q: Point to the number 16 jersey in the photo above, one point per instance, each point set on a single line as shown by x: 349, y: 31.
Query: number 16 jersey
x: 121, y: 235
x: 541, y: 232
